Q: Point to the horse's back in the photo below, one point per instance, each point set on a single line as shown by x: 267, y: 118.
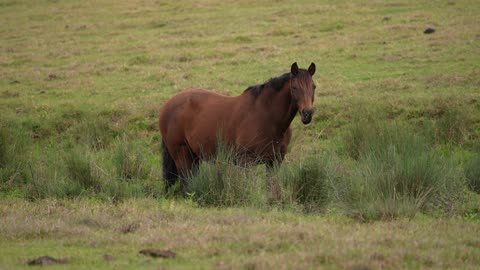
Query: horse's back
x: 187, y: 97
x: 190, y: 99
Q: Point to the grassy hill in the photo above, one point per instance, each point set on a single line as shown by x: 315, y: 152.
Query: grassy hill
x: 395, y: 138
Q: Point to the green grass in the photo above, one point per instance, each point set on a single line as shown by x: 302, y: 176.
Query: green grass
x: 222, y: 182
x: 397, y: 172
x: 310, y: 182
x: 472, y: 172
x: 81, y: 169
x: 130, y: 161
x: 395, y: 134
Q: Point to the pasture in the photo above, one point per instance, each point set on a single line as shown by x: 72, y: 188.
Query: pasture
x: 387, y: 175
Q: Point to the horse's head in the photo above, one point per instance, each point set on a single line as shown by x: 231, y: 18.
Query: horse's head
x: 302, y: 89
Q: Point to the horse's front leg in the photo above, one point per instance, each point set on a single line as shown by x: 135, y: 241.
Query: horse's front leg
x: 279, y: 152
x: 273, y: 186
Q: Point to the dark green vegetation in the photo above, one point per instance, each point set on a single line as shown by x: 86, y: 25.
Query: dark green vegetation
x: 396, y: 132
x: 380, y: 170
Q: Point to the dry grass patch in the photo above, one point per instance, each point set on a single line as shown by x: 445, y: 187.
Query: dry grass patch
x: 228, y: 238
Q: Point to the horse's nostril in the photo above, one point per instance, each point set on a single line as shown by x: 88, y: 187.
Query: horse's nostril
x: 307, y: 113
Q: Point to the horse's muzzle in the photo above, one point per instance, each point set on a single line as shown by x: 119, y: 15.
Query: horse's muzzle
x: 307, y: 115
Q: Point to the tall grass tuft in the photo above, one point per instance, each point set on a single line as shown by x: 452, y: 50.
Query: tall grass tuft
x: 308, y: 182
x: 47, y: 176
x: 453, y: 126
x: 3, y: 148
x: 396, y: 173
x: 15, y: 144
x: 363, y: 139
x: 130, y: 161
x: 80, y: 167
x: 472, y: 172
x: 96, y: 133
x: 219, y: 182
x: 129, y: 170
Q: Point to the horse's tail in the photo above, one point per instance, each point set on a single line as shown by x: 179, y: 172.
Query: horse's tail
x: 170, y: 173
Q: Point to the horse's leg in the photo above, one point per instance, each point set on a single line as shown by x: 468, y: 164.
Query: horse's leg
x: 184, y: 161
x: 272, y: 165
x: 273, y: 187
x: 170, y: 173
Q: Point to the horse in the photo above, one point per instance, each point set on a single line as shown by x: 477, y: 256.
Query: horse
x: 256, y: 123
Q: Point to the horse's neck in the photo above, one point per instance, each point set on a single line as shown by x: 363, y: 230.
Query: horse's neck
x: 279, y: 108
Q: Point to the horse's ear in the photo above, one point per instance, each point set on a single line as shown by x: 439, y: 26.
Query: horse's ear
x: 311, y: 69
x: 294, y: 69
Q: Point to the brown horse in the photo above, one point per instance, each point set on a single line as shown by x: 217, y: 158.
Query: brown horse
x: 255, y: 123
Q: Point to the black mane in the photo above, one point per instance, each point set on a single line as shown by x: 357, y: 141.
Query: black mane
x: 275, y: 84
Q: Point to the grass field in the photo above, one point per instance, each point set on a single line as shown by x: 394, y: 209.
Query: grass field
x: 386, y: 176
x: 83, y: 231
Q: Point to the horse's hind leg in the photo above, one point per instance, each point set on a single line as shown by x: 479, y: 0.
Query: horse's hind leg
x: 184, y: 160
x: 170, y: 173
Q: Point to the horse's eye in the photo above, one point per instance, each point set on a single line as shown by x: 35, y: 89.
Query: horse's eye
x: 314, y: 87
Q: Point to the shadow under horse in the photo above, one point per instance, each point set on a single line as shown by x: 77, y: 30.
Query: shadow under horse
x: 255, y: 124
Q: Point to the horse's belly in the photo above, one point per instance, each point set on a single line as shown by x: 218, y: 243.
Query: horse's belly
x: 203, y: 134
x: 259, y: 147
